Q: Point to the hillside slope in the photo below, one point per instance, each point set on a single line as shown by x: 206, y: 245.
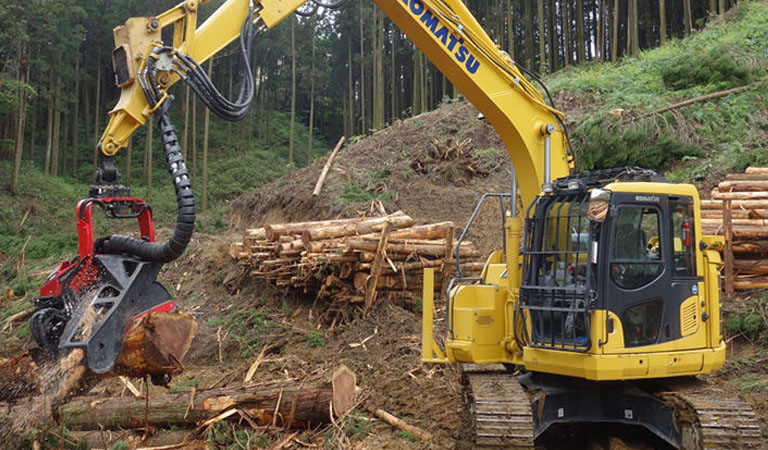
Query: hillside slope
x: 610, y: 105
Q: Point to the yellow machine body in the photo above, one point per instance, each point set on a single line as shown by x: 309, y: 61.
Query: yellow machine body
x: 481, y: 319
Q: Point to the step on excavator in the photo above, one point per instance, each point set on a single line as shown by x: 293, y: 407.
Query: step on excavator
x: 602, y: 304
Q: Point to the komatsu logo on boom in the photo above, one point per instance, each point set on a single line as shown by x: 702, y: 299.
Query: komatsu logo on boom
x: 441, y: 32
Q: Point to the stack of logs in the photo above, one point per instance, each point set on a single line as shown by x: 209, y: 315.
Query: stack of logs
x: 738, y: 210
x: 351, y: 260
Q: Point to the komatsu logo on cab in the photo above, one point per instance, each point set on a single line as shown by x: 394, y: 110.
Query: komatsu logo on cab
x: 449, y: 40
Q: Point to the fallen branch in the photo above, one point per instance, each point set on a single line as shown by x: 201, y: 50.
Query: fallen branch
x: 401, y: 425
x: 691, y: 101
x: 326, y: 168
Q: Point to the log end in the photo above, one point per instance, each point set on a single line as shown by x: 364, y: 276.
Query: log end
x: 344, y: 383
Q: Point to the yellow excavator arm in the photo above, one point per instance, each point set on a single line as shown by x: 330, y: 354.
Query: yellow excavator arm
x: 444, y: 30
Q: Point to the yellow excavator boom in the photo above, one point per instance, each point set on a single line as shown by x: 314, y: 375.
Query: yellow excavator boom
x: 444, y: 30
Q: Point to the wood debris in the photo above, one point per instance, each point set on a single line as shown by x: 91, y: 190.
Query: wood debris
x: 354, y: 260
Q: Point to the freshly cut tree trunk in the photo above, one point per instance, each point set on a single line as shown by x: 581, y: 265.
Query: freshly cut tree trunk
x: 467, y: 250
x: 737, y: 204
x: 751, y: 266
x: 156, y: 344
x: 742, y: 185
x: 296, y: 404
x: 396, y: 221
x: 751, y: 283
x: 273, y: 232
x: 754, y: 247
x: 757, y: 170
x: 717, y: 195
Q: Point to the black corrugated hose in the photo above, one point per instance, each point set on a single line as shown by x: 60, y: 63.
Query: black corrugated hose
x: 185, y: 200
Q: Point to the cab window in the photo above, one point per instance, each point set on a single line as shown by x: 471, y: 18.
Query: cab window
x: 637, y: 253
x: 682, y: 240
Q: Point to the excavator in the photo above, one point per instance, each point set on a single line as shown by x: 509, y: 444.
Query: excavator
x: 602, y: 305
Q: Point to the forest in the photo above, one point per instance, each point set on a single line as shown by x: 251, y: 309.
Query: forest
x: 344, y: 71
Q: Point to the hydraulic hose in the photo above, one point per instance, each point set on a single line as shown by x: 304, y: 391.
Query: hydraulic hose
x: 185, y: 201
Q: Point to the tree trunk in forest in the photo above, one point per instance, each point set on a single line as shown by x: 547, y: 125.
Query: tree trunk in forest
x: 185, y: 133
x: 581, y: 49
x: 20, y: 120
x: 712, y: 7
x: 193, y: 147
x: 311, y: 124
x: 206, y: 127
x: 293, y: 90
x: 416, y: 84
x: 148, y: 157
x: 542, y: 41
x: 128, y: 160
x: 687, y: 17
x: 567, y: 58
x: 362, y: 73
x: 393, y: 88
x: 56, y: 138
x: 350, y: 91
x: 33, y: 131
x: 528, y: 30
x: 49, y: 126
x: 511, y: 38
x: 633, y: 47
x: 601, y: 6
x: 97, y: 112
x: 615, y: 32
x: 553, y: 34
x: 720, y: 6
x: 75, y: 117
x: 662, y: 22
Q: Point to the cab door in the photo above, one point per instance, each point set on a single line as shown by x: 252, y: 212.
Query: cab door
x: 638, y: 285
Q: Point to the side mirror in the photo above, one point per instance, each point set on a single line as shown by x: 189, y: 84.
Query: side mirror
x: 599, y: 201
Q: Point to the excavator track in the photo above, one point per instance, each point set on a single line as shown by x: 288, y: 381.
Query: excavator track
x: 720, y: 420
x: 499, y: 406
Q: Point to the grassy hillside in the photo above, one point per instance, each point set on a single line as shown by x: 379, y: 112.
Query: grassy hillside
x: 610, y: 105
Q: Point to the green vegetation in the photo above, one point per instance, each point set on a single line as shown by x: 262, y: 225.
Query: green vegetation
x: 184, y: 386
x: 224, y: 435
x: 408, y: 436
x: 315, y: 339
x: 356, y: 426
x: 701, y: 141
x: 749, y: 319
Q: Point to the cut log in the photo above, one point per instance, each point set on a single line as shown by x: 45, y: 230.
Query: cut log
x: 757, y: 170
x: 737, y: 204
x: 743, y: 186
x: 751, y: 283
x: 238, y: 251
x: 736, y: 213
x: 736, y: 222
x: 255, y: 233
x: 431, y: 231
x: 751, y: 266
x: 274, y: 231
x: 396, y: 220
x: 296, y: 404
x: 747, y: 177
x: 156, y: 344
x: 753, y: 247
x: 717, y: 195
x: 467, y: 249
